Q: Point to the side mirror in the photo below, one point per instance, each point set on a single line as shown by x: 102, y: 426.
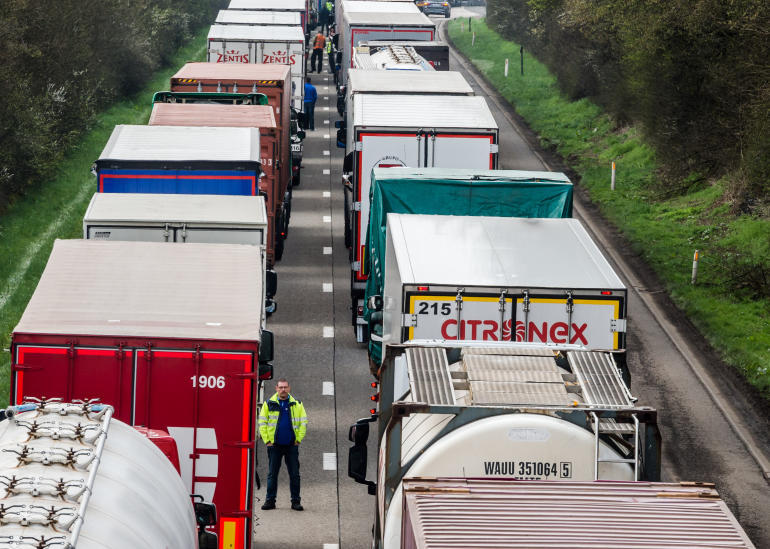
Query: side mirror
x: 342, y: 137
x: 347, y: 164
x: 301, y: 134
x: 375, y: 326
x: 271, y: 283
x: 266, y: 347
x: 205, y: 513
x: 359, y: 433
x: 357, y: 455
x: 374, y: 302
x: 265, y: 371
x: 338, y: 124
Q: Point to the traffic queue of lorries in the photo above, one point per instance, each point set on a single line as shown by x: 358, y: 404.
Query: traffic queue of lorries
x: 495, y: 326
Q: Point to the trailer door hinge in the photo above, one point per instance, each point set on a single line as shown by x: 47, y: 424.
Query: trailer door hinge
x: 355, y: 266
x: 359, y: 146
x: 357, y: 206
x: 409, y: 321
x: 618, y: 325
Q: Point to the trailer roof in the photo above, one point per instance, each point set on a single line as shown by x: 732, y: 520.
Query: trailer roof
x: 177, y: 208
x: 148, y: 289
x: 448, y: 512
x: 206, y: 114
x: 387, y: 18
x: 465, y: 174
x: 381, y: 6
x: 247, y: 17
x: 432, y: 82
x: 182, y: 143
x: 267, y: 33
x: 422, y: 111
x: 498, y: 252
x: 269, y: 5
x: 413, y: 43
x: 228, y: 72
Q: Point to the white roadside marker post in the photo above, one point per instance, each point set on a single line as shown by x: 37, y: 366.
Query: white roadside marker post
x: 695, y: 258
x: 612, y: 180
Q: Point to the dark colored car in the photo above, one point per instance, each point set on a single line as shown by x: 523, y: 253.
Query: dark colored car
x: 436, y: 7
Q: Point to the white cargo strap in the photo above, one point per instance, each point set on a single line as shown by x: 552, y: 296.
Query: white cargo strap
x: 618, y: 325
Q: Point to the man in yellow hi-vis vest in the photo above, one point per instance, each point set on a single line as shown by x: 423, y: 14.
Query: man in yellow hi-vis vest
x: 282, y: 426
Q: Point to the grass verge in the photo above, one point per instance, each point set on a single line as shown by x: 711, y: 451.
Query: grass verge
x: 55, y: 209
x: 663, y: 230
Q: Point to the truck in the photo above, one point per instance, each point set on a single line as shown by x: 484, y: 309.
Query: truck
x: 171, y: 337
x: 435, y: 52
x: 500, y: 410
x: 387, y: 131
x: 184, y: 218
x: 450, y: 512
x: 395, y: 82
x: 74, y: 476
x: 271, y: 18
x: 272, y: 80
x: 486, y: 278
x: 283, y: 45
x: 275, y: 179
x: 437, y: 191
x: 390, y: 58
x: 301, y: 7
x: 364, y: 21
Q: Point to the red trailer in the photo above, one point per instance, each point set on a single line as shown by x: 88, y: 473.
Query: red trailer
x: 272, y: 79
x: 170, y: 336
x: 249, y: 116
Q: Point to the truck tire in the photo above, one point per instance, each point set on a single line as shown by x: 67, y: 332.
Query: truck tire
x: 295, y: 180
x: 280, y: 238
x: 279, y: 246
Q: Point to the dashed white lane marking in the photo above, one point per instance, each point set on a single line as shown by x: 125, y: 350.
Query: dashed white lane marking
x: 326, y: 136
x: 326, y: 121
x: 328, y: 331
x: 331, y: 546
x: 326, y: 108
x: 326, y: 97
x: 327, y: 287
x: 327, y: 194
x: 330, y: 461
x: 327, y: 250
x: 328, y: 388
x: 327, y: 172
x: 327, y: 219
x: 327, y: 153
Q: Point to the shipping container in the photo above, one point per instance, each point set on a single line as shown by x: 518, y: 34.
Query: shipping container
x: 270, y: 79
x: 171, y: 337
x: 302, y: 7
x: 437, y: 191
x: 492, y: 410
x: 180, y: 160
x: 499, y: 279
x: 450, y: 512
x: 282, y: 45
x: 387, y: 131
x: 74, y: 476
x: 271, y: 18
x: 360, y: 21
x: 183, y: 218
x: 275, y: 182
x: 435, y: 52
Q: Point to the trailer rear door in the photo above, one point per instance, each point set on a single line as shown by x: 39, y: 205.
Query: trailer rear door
x: 462, y: 151
x: 75, y: 373
x: 212, y: 421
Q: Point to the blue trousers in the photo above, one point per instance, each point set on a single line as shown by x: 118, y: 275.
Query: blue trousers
x: 275, y: 454
x: 310, y: 115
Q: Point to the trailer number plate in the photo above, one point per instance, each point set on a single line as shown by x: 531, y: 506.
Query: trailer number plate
x: 208, y: 382
x: 529, y: 470
x: 296, y: 147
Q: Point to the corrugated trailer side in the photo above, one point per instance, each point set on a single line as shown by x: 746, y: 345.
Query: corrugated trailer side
x: 168, y: 335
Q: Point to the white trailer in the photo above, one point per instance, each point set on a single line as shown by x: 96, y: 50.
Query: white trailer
x: 297, y: 6
x: 284, y: 45
x: 271, y: 18
x: 503, y: 410
x: 499, y: 279
x: 362, y: 21
x: 390, y: 58
x: 413, y: 131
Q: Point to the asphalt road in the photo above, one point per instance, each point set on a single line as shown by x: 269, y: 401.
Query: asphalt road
x: 328, y: 371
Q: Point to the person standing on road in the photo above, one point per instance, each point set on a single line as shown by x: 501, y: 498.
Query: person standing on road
x: 330, y: 51
x: 323, y: 17
x: 311, y: 96
x: 319, y: 43
x: 282, y: 426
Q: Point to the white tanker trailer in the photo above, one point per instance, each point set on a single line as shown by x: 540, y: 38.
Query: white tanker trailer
x: 74, y: 477
x: 505, y: 410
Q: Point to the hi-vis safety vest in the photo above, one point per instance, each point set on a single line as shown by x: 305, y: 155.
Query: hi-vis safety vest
x: 329, y: 45
x: 268, y: 419
x: 319, y: 41
x: 330, y: 7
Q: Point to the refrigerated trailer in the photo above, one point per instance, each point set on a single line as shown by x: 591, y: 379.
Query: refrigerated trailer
x: 172, y: 338
x: 499, y: 279
x: 184, y: 218
x: 450, y: 512
x: 283, y: 45
x: 437, y: 191
x: 386, y: 131
x: 512, y: 410
x: 180, y: 160
x: 362, y: 21
x: 300, y: 7
x: 275, y: 179
x: 272, y: 18
x: 272, y: 80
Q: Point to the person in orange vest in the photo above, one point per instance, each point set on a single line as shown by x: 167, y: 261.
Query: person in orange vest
x: 319, y: 44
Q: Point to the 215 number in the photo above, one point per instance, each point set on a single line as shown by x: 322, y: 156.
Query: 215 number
x: 426, y: 308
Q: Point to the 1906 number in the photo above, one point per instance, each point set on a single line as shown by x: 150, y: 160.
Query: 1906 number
x: 208, y: 382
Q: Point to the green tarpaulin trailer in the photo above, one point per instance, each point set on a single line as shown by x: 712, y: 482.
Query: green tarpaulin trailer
x: 438, y: 191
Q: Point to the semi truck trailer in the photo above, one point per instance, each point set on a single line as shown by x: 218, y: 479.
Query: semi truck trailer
x: 271, y: 18
x: 301, y: 7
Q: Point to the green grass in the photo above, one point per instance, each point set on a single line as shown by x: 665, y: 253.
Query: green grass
x: 664, y: 231
x: 55, y: 209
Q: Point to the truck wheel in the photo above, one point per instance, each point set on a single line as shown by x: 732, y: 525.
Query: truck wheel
x: 295, y: 180
x: 279, y: 245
